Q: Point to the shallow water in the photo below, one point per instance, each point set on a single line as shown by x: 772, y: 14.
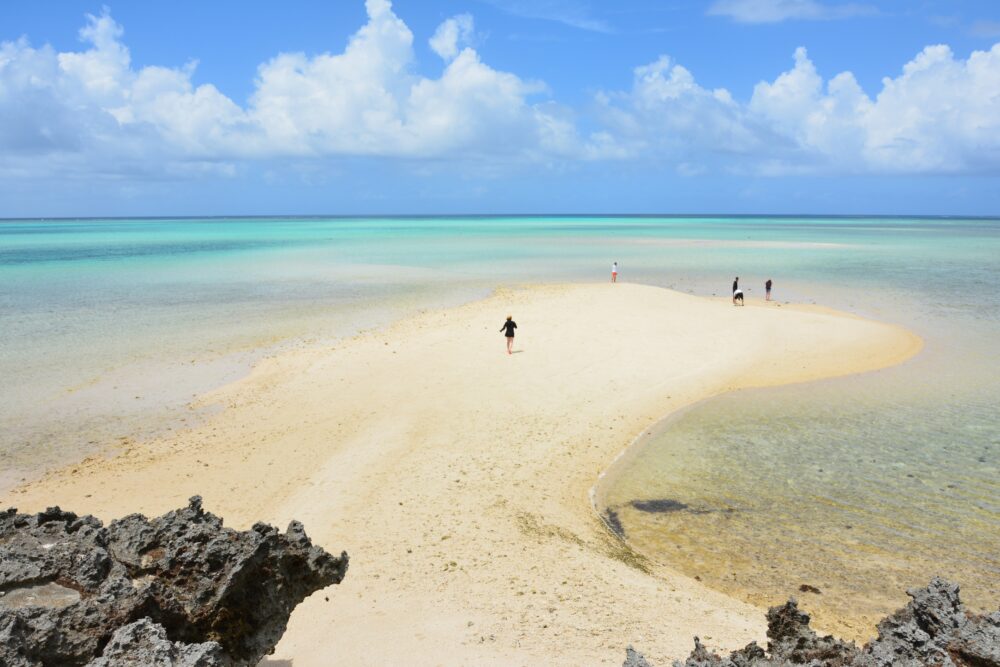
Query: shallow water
x: 859, y: 487
x: 842, y: 487
x: 108, y: 327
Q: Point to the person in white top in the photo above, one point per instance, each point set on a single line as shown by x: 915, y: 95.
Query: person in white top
x: 614, y: 272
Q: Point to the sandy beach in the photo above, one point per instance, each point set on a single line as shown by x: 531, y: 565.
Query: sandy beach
x: 458, y: 477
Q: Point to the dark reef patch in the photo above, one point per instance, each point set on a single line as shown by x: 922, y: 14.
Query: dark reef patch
x: 659, y: 505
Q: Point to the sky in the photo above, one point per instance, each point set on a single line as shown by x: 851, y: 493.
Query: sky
x: 373, y: 107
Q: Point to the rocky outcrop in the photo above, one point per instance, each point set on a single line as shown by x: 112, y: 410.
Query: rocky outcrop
x: 932, y: 629
x: 176, y: 590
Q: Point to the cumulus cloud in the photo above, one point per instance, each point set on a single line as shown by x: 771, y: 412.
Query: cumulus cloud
x: 774, y: 11
x: 824, y: 125
x: 92, y: 112
x: 941, y: 114
x: 452, y: 34
x: 668, y: 115
x: 365, y: 100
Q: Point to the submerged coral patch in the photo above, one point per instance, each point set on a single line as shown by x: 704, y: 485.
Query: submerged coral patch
x: 659, y: 505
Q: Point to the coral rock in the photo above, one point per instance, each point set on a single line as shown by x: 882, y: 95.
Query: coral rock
x: 68, y: 584
x: 932, y: 629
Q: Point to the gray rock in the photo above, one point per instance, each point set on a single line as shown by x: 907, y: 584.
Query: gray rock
x: 634, y: 659
x: 145, y: 644
x: 68, y: 584
x: 790, y: 638
x: 932, y: 629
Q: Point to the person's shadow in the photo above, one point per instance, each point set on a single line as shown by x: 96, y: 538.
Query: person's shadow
x: 268, y: 662
x: 516, y: 351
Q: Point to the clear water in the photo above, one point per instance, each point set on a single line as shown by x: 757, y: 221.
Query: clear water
x: 107, y: 328
x: 859, y: 487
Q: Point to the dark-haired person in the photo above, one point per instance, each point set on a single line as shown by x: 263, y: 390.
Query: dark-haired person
x: 736, y: 288
x: 508, y: 329
x: 767, y: 290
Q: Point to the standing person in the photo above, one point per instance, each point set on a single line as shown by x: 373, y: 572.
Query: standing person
x: 614, y: 272
x: 736, y: 288
x: 767, y: 290
x: 508, y: 327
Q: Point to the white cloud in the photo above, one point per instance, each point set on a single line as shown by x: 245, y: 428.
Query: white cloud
x: 102, y: 71
x: 452, y: 34
x: 774, y: 11
x: 668, y: 116
x: 366, y: 100
x: 941, y: 114
x: 826, y: 127
x: 92, y: 113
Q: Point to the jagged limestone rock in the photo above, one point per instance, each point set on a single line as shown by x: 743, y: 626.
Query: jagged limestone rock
x: 68, y: 583
x: 932, y: 629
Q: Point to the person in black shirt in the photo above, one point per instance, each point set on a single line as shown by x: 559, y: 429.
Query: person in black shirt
x: 767, y: 290
x: 508, y: 327
x: 736, y: 288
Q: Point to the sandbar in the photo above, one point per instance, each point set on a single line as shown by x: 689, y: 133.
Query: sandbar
x: 457, y: 477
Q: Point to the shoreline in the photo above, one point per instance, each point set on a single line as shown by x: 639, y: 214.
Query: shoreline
x: 190, y: 376
x: 914, y: 348
x: 607, y: 475
x: 388, y: 434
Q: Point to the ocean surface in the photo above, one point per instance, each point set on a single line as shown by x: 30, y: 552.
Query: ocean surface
x: 857, y: 487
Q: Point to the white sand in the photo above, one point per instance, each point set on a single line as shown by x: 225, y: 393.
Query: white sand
x: 457, y: 476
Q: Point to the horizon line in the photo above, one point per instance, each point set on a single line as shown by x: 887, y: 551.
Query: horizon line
x: 428, y: 216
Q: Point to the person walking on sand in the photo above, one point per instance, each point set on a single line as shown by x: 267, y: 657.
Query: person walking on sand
x: 508, y: 327
x: 614, y: 272
x: 767, y: 290
x: 736, y: 288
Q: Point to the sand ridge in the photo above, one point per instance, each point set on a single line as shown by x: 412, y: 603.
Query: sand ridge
x: 457, y: 477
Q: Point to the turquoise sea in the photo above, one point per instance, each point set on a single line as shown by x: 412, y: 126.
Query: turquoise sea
x: 857, y: 487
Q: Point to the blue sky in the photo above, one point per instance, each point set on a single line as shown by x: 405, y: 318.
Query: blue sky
x: 497, y: 106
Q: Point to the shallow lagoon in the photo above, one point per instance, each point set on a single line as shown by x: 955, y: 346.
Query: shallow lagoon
x: 109, y: 327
